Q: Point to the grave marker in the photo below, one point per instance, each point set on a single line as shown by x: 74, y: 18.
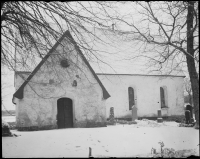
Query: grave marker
x: 134, y: 113
x: 159, y: 119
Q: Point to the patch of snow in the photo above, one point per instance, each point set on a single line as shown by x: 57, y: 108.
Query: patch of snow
x: 111, y: 141
x: 154, y: 123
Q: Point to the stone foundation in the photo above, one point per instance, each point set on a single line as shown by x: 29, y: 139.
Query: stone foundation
x: 159, y: 120
x: 36, y: 128
x: 95, y: 124
x: 90, y: 124
x: 177, y: 118
x: 84, y: 124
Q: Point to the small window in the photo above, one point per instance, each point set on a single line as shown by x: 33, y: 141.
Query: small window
x: 64, y: 63
x: 131, y: 97
x: 51, y: 81
x: 163, y: 97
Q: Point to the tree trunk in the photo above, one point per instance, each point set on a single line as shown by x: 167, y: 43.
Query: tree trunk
x: 190, y: 99
x: 191, y: 63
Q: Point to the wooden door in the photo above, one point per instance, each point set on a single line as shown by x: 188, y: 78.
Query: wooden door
x: 65, y: 114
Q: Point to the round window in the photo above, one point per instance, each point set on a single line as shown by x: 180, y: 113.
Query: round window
x: 64, y: 63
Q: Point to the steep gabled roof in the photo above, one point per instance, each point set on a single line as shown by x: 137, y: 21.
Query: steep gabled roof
x: 20, y: 92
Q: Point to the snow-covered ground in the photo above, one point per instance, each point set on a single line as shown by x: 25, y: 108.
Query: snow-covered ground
x: 110, y: 141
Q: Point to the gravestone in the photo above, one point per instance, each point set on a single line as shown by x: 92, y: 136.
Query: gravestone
x: 159, y: 119
x: 111, y: 117
x: 187, y: 117
x: 134, y: 113
x: 5, y: 129
x: 189, y: 107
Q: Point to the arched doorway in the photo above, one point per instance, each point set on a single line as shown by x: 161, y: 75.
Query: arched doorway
x: 64, y: 113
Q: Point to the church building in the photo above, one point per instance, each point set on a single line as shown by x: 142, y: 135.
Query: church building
x: 66, y: 90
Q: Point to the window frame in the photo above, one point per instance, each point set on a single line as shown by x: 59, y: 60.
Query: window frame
x: 131, y: 97
x: 164, y: 97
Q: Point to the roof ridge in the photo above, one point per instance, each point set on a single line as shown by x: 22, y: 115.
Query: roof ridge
x: 140, y: 74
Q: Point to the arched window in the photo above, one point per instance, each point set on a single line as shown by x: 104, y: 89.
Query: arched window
x: 131, y: 97
x: 163, y: 97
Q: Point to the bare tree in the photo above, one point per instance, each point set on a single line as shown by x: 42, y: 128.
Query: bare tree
x: 26, y: 28
x: 188, y: 89
x: 5, y: 87
x: 29, y: 29
x: 173, y: 28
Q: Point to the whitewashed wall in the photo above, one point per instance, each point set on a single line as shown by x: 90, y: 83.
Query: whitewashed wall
x: 39, y: 105
x: 147, y: 94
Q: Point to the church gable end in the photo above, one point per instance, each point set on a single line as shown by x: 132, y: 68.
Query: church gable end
x: 64, y: 61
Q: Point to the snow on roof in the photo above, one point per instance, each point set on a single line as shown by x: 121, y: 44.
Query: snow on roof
x: 118, y: 52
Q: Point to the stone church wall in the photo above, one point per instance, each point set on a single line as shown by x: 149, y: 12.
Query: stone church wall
x: 146, y: 92
x: 38, y: 108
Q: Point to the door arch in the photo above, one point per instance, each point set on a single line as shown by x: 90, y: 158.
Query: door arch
x: 64, y: 113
